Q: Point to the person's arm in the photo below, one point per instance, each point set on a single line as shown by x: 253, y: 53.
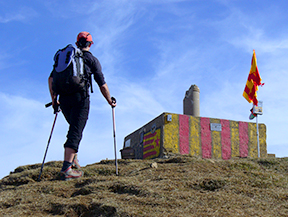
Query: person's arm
x: 105, y: 92
x: 52, y: 94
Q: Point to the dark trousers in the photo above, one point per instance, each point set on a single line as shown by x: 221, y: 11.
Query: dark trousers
x: 75, y: 109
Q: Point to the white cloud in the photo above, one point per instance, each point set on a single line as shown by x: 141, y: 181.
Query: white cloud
x: 23, y: 14
x: 24, y: 128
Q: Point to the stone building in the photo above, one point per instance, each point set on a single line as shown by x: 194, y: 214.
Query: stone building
x: 198, y: 136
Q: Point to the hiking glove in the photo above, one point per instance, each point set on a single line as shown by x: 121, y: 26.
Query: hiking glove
x: 56, y: 107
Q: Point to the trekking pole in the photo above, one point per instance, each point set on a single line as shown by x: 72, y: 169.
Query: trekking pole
x: 48, y: 104
x: 114, y: 135
x: 39, y: 178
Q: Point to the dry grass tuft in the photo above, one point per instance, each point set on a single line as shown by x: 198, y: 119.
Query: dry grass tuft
x: 177, y: 186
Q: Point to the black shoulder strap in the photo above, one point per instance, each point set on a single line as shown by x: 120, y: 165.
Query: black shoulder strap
x: 56, y: 61
x: 88, y: 75
x: 90, y: 81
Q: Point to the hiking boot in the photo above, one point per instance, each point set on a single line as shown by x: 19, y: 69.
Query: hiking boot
x: 70, y: 174
x: 75, y: 163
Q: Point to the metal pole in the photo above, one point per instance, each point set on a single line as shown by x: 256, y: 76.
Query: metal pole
x: 47, y: 146
x: 258, y: 146
x: 114, y: 135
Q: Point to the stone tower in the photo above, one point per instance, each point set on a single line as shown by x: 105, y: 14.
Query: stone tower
x: 191, y: 101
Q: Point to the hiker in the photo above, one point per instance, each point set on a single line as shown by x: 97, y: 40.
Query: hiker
x: 75, y: 106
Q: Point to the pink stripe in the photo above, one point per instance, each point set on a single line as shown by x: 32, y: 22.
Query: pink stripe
x: 225, y: 139
x: 243, y: 139
x: 184, y: 134
x: 147, y: 148
x: 147, y: 142
x: 150, y: 135
x: 149, y: 154
x: 206, y: 140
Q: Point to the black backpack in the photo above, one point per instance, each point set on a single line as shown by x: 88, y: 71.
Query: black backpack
x: 69, y: 75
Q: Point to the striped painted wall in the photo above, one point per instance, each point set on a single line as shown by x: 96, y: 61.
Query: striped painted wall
x: 193, y: 135
x: 151, y: 144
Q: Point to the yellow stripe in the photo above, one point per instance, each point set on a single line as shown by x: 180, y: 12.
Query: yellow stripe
x: 171, y: 134
x: 253, y: 152
x: 262, y: 140
x: 195, y: 142
x: 246, y: 97
x: 250, y: 84
x: 234, y: 127
x: 216, y: 141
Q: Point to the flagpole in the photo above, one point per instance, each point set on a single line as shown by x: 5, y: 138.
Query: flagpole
x: 258, y: 146
x: 250, y: 93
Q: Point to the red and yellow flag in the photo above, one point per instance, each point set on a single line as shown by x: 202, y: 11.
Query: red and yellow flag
x: 253, y: 81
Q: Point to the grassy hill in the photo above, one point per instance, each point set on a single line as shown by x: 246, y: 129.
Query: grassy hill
x: 176, y: 186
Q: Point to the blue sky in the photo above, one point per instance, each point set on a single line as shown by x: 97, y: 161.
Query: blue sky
x: 151, y: 53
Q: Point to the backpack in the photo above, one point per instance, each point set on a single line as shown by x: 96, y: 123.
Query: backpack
x: 68, y: 73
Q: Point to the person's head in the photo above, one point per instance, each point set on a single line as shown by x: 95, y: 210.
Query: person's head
x: 84, y: 40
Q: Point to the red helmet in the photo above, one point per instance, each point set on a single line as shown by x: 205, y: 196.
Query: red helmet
x: 85, y: 35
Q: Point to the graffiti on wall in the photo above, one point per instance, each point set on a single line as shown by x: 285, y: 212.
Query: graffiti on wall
x: 151, y: 144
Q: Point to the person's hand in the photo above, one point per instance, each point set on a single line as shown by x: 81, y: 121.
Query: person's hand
x: 113, y: 103
x: 56, y: 105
